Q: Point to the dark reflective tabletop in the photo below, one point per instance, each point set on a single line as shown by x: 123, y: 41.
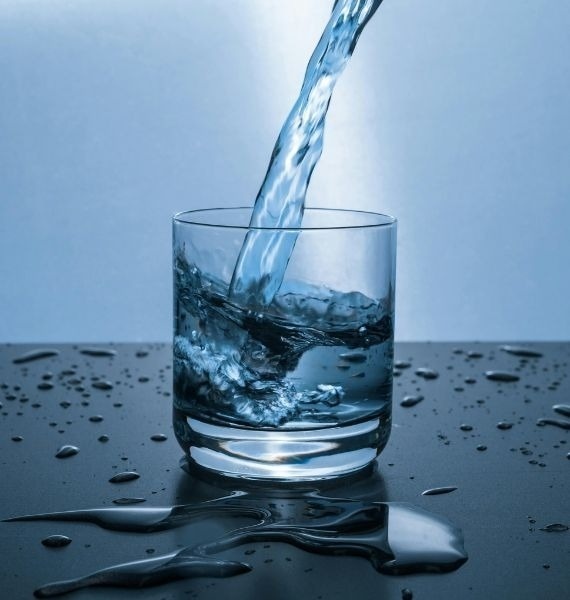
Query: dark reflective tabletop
x: 480, y: 434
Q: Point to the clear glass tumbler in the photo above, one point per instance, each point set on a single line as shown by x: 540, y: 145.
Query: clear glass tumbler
x: 299, y: 388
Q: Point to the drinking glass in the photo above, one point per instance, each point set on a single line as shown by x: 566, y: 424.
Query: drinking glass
x: 298, y: 387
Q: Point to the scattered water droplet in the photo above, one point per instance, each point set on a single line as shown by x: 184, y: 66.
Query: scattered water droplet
x: 102, y: 385
x: 402, y: 364
x: 407, y: 594
x: 474, y: 354
x: 98, y: 351
x: 554, y: 527
x: 141, y: 353
x: 17, y: 438
x: 481, y: 447
x: 67, y: 451
x: 158, y: 437
x: 427, y: 373
x: 410, y: 401
x: 562, y: 409
x: 439, y: 490
x: 521, y: 351
x: 124, y: 501
x: 465, y: 427
x: 103, y: 438
x: 45, y: 385
x: 35, y: 355
x: 501, y: 376
x: 504, y: 425
x: 124, y: 476
x: 562, y: 423
x: 96, y: 418
x: 56, y: 541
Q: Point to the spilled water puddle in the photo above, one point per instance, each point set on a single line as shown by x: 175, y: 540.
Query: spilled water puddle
x: 396, y: 538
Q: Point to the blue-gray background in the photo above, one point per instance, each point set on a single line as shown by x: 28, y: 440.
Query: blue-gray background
x: 453, y: 115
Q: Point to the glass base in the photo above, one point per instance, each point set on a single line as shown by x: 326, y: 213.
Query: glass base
x: 301, y: 455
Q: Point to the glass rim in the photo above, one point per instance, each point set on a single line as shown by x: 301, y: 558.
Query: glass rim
x: 390, y: 221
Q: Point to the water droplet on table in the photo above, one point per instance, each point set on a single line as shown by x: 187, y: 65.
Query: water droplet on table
x: 562, y: 423
x: 67, y: 451
x: 56, y: 541
x: 501, y: 376
x: 35, y: 355
x: 504, y: 425
x: 554, y: 528
x: 562, y: 409
x: 427, y: 373
x: 125, y: 501
x: 465, y: 427
x: 124, y: 477
x: 98, y: 352
x: 158, y: 437
x: 402, y: 364
x: 410, y: 401
x: 521, y: 351
x: 102, y: 385
x: 439, y: 490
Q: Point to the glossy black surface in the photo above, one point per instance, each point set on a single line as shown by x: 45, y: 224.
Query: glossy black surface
x: 507, y: 496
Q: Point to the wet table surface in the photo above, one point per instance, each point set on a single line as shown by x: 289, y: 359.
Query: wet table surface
x: 511, y: 480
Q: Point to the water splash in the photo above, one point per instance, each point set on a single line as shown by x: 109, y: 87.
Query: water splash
x: 280, y: 201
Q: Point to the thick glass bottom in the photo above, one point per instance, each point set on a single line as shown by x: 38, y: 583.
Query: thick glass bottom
x: 293, y: 455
